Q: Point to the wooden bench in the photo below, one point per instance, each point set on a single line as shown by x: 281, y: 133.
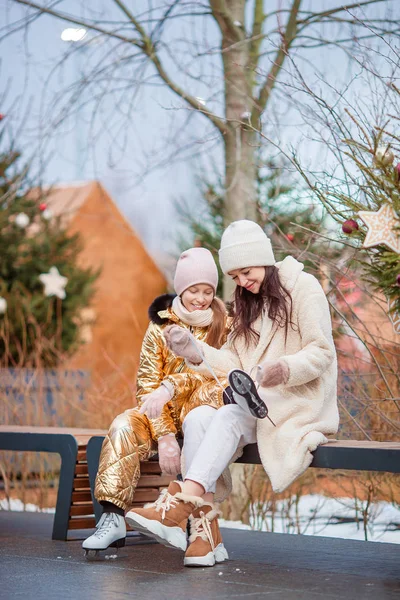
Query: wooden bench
x: 79, y: 449
x: 350, y: 455
x: 337, y: 454
x: 76, y: 507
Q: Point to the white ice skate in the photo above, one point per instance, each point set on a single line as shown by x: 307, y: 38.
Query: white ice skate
x: 110, y: 532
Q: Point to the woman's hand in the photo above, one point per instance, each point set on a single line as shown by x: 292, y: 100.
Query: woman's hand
x: 154, y: 402
x: 272, y: 372
x: 181, y: 342
x: 169, y: 454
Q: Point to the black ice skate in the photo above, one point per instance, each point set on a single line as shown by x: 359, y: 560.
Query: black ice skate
x: 245, y: 394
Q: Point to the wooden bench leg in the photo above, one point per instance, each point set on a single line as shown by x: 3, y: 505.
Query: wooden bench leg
x: 93, y: 451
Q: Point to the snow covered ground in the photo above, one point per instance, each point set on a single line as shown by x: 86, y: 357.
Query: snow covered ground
x: 18, y: 506
x: 313, y: 515
x: 329, y: 517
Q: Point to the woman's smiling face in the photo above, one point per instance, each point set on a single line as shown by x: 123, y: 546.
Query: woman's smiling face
x: 198, y: 297
x: 250, y: 278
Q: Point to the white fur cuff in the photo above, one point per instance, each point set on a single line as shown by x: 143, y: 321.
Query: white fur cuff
x: 196, y: 500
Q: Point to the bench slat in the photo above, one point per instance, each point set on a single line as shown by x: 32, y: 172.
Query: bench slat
x: 81, y: 509
x: 84, y: 496
x: 82, y: 523
x: 81, y: 469
x: 81, y: 483
x: 75, y: 431
x: 150, y: 467
x: 154, y: 481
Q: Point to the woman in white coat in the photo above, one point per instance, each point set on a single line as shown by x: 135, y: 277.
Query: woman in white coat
x: 282, y: 327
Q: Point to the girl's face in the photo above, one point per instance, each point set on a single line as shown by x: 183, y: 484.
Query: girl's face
x: 250, y: 278
x: 198, y: 297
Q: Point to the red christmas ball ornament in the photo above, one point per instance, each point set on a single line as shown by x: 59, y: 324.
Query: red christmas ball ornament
x: 290, y: 237
x: 42, y: 206
x: 349, y: 226
x: 2, y: 116
x: 398, y: 279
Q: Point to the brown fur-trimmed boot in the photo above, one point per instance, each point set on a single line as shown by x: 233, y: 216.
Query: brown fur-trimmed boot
x: 165, y: 520
x: 206, y: 546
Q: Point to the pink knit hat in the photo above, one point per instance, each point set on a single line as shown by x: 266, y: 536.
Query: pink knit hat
x: 195, y: 265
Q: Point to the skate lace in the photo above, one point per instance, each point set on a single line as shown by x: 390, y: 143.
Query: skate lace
x: 105, y: 524
x: 201, y: 527
x: 165, y: 502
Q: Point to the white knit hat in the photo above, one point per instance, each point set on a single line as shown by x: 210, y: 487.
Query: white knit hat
x: 195, y: 266
x: 244, y: 244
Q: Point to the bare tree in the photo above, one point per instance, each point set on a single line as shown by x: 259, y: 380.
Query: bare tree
x: 234, y: 50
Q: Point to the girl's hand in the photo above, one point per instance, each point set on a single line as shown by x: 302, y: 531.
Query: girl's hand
x: 154, y: 402
x: 272, y: 372
x: 169, y: 454
x: 181, y: 342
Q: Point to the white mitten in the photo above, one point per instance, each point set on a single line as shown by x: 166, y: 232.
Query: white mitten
x: 181, y: 342
x: 169, y: 454
x: 154, y: 402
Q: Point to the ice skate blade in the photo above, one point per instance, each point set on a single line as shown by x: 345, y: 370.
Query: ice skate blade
x: 96, y: 551
x: 246, y: 395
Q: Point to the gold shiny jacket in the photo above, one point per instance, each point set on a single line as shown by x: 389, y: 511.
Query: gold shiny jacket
x: 157, y: 363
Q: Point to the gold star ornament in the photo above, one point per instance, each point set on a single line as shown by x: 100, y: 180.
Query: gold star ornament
x: 381, y: 228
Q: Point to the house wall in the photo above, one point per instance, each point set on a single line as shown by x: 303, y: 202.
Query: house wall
x: 128, y: 283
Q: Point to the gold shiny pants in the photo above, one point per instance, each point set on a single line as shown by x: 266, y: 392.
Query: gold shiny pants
x: 128, y: 442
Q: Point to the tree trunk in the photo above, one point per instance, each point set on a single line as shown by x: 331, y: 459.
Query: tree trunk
x: 240, y: 172
x: 239, y: 140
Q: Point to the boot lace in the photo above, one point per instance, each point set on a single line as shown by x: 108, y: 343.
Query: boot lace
x: 165, y: 502
x: 107, y: 520
x: 201, y: 527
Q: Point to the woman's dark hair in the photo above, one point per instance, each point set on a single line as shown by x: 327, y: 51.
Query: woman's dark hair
x: 216, y: 333
x: 273, y: 297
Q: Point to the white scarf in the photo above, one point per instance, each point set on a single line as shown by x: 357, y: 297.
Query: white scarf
x: 196, y: 318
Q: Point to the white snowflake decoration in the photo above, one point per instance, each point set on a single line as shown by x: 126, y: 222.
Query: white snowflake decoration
x: 47, y: 214
x: 22, y: 220
x: 3, y: 305
x: 54, y: 283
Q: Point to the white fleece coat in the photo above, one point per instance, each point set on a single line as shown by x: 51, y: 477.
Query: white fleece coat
x: 305, y: 408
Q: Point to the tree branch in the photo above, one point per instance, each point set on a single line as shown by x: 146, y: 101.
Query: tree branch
x: 132, y: 19
x: 256, y: 34
x: 256, y: 39
x: 69, y: 19
x: 144, y: 44
x: 328, y: 13
x: 287, y: 39
x: 222, y: 15
x: 149, y: 49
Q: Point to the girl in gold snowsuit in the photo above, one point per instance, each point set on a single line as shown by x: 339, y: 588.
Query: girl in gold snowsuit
x: 134, y: 436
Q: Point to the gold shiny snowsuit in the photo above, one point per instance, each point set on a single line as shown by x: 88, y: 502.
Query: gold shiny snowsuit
x: 132, y: 436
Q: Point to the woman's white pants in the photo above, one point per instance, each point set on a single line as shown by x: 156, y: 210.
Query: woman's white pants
x: 210, y: 439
